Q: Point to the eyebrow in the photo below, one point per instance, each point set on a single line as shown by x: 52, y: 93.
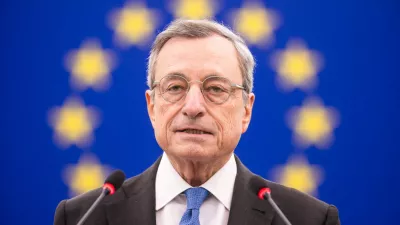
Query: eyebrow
x: 177, y: 73
x: 187, y: 78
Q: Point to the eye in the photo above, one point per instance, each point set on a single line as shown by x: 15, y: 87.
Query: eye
x: 215, y: 89
x: 175, y: 88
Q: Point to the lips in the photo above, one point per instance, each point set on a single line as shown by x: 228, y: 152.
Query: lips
x: 193, y: 131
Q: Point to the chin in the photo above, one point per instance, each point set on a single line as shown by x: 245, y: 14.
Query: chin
x: 194, y: 152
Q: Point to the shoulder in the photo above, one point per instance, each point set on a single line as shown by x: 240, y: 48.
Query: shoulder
x: 303, y: 207
x: 86, y: 199
x: 69, y: 211
x: 299, y: 207
x: 282, y: 194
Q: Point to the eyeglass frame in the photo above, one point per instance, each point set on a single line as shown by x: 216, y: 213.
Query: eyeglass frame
x: 232, y: 85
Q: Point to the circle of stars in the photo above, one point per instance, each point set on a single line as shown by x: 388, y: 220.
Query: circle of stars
x: 134, y: 24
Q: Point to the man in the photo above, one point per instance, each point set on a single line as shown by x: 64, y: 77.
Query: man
x: 200, y: 100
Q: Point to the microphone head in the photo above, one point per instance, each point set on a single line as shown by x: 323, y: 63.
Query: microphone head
x: 114, y: 181
x: 259, y: 187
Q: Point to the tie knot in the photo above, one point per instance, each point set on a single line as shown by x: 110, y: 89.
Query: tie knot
x: 195, y: 197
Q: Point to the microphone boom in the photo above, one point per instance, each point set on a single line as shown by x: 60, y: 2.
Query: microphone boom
x: 275, y: 206
x: 260, y: 187
x: 113, y: 182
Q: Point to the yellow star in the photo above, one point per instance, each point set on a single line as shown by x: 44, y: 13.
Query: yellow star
x: 90, y: 66
x: 255, y: 23
x: 296, y: 66
x: 73, y: 123
x: 87, y: 175
x: 194, y: 9
x: 313, y: 124
x: 134, y: 24
x: 299, y: 174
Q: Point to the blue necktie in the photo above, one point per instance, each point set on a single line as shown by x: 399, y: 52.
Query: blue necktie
x: 195, y: 197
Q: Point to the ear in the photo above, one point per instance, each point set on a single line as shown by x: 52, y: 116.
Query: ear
x: 248, y: 109
x: 150, y: 107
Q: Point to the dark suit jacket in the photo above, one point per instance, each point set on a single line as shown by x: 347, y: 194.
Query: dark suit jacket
x: 134, y: 204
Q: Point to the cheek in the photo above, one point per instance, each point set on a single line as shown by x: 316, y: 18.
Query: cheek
x: 159, y: 112
x: 236, y: 115
x: 165, y: 113
x: 231, y: 121
x: 162, y: 111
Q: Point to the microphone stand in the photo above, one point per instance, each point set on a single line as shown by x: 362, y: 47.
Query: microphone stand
x: 104, y: 193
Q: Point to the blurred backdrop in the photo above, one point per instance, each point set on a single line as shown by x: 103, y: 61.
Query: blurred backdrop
x: 325, y: 120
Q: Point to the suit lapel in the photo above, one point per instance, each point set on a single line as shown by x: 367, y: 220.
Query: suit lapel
x: 246, y: 207
x: 136, y: 203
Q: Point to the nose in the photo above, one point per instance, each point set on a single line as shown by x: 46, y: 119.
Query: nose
x: 194, y: 106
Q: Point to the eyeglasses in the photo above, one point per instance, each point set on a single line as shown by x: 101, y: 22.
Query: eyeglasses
x: 216, y: 89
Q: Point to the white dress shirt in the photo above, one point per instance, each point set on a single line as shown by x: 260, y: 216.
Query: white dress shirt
x: 171, y: 201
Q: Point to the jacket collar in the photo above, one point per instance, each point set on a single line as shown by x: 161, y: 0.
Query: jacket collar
x: 135, y: 203
x: 246, y: 207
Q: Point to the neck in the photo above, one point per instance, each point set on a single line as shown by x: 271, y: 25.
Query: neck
x: 196, y: 172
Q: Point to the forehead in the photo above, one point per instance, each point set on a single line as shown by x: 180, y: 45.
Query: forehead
x: 197, y: 58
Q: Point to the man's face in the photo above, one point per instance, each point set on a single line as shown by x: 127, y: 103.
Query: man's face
x: 223, y: 124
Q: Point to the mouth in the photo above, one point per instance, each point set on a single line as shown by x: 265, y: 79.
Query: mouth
x: 194, y: 131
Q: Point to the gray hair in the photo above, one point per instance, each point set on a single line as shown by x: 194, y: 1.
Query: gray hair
x: 200, y: 29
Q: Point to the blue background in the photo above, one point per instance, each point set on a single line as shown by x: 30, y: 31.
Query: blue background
x: 358, y: 39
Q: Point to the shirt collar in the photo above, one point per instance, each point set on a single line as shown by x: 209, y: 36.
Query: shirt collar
x: 169, y: 183
x: 222, y: 183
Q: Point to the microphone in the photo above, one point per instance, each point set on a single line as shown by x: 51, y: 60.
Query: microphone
x: 264, y: 193
x: 113, y: 182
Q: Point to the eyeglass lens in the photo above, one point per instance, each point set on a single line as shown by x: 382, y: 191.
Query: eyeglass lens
x: 174, y: 87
